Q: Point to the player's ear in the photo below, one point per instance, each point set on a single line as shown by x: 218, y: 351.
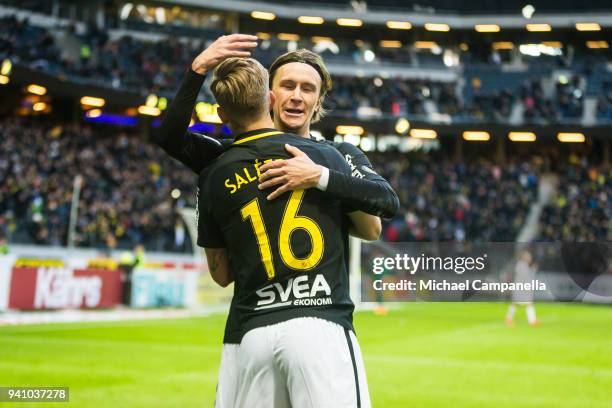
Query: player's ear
x: 222, y: 114
x: 319, y: 104
x: 271, y: 99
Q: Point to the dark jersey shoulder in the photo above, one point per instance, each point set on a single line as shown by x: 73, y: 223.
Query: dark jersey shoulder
x: 288, y: 254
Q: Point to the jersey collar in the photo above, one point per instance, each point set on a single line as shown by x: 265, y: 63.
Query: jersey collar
x: 255, y: 134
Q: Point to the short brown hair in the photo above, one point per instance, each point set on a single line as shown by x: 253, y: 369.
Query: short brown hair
x: 313, y: 59
x: 240, y: 87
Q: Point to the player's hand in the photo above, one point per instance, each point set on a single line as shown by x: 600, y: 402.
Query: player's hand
x: 227, y: 46
x: 296, y: 173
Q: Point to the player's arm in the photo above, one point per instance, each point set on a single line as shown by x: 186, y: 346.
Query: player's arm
x: 362, y: 224
x: 172, y: 135
x: 195, y: 150
x: 210, y: 236
x: 219, y: 266
x: 362, y: 189
x: 365, y: 226
x: 301, y: 172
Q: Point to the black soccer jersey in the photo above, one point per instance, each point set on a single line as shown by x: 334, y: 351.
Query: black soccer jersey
x: 287, y: 255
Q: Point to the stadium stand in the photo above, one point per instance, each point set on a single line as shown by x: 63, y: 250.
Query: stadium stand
x: 446, y: 200
x: 442, y: 199
x: 445, y: 197
x: 125, y: 199
x: 604, y: 101
x: 582, y: 209
x: 146, y: 66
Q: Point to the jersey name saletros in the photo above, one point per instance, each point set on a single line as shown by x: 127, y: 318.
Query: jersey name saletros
x: 300, y: 291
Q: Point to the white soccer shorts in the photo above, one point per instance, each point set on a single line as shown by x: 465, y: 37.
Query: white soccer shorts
x: 228, y: 375
x: 304, y: 362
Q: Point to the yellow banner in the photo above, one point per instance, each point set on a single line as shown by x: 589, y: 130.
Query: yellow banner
x: 102, y: 263
x: 34, y: 263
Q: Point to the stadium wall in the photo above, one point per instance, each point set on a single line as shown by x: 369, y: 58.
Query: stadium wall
x: 50, y: 278
x: 6, y: 263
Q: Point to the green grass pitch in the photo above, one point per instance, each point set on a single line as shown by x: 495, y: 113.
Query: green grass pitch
x: 420, y: 355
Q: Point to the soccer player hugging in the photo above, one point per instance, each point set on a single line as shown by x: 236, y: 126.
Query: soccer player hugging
x: 286, y: 258
x: 279, y: 231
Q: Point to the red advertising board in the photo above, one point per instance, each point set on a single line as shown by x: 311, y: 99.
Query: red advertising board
x: 59, y: 288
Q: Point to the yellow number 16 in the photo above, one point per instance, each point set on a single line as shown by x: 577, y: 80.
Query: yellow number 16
x: 289, y: 224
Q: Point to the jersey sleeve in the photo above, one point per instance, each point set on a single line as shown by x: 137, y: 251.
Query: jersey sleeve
x: 194, y: 150
x: 209, y: 232
x: 363, y: 189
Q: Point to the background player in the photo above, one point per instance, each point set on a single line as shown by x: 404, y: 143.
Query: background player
x: 291, y: 288
x: 524, y: 272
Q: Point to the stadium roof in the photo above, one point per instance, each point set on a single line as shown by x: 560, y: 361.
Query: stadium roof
x: 330, y: 11
x: 467, y: 6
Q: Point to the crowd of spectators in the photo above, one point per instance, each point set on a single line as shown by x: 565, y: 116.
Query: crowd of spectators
x: 128, y: 63
x: 127, y: 183
x: 563, y: 102
x: 125, y: 197
x: 566, y: 101
x: 582, y: 208
x: 604, y: 101
x: 400, y: 97
x: 395, y: 96
x: 492, y: 106
x: 446, y: 200
x: 125, y: 63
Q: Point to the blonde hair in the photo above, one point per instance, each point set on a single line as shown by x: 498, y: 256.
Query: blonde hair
x: 240, y: 86
x: 308, y: 57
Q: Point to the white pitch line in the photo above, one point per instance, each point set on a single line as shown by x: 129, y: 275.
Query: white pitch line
x: 89, y: 316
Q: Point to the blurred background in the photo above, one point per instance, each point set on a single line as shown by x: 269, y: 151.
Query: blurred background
x: 491, y: 119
